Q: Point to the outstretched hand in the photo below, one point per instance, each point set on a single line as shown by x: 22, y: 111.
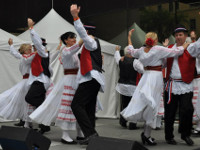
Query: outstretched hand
x: 131, y: 32
x: 30, y: 22
x: 10, y: 41
x: 166, y: 42
x: 117, y: 48
x: 74, y: 9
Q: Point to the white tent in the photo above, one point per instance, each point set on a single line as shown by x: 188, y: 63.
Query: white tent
x: 50, y: 28
x: 9, y: 65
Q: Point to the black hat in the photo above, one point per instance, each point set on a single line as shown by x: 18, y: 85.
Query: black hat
x: 89, y: 27
x: 43, y: 42
x: 180, y: 28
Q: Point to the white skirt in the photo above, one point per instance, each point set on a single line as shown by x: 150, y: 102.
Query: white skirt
x: 12, y: 102
x: 57, y: 106
x: 146, y: 100
x: 196, y: 99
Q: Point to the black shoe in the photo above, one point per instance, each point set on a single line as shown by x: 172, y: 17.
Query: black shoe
x: 67, y: 142
x: 171, y: 141
x: 188, y: 140
x: 132, y: 126
x: 20, y: 124
x: 44, y: 129
x: 150, y: 141
x: 122, y: 122
x: 87, y: 139
x: 78, y: 138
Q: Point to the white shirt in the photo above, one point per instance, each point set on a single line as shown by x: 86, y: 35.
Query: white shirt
x: 156, y: 55
x: 25, y: 60
x: 41, y: 50
x: 91, y: 45
x: 69, y: 57
x: 181, y: 87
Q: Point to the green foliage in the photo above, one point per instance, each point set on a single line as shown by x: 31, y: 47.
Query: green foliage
x: 162, y: 22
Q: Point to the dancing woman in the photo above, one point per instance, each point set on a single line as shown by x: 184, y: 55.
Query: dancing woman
x: 57, y: 106
x: 12, y: 101
x: 146, y: 99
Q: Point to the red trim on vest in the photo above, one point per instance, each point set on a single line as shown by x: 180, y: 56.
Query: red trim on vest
x: 27, y: 55
x: 186, y: 65
x: 138, y: 78
x: 26, y: 76
x: 36, y: 66
x: 85, y: 61
x: 164, y: 72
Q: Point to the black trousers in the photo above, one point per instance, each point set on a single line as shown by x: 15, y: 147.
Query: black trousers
x: 36, y: 94
x: 124, y: 103
x: 84, y: 106
x: 184, y: 103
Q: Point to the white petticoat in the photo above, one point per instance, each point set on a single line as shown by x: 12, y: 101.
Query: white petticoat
x: 57, y: 106
x: 12, y: 102
x: 196, y: 99
x: 146, y: 100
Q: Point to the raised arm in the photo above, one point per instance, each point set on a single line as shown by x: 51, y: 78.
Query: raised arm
x: 194, y: 48
x: 129, y: 36
x: 117, y: 55
x: 89, y: 41
x: 165, y: 52
x: 36, y: 40
x: 13, y: 51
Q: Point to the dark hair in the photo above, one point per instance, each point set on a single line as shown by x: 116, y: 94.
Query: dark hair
x: 180, y: 28
x: 43, y: 41
x: 67, y: 35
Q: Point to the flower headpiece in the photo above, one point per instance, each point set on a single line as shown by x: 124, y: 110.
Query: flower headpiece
x: 149, y: 42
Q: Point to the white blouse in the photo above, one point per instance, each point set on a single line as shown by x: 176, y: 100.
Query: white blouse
x: 156, y: 55
x: 69, y: 57
x: 25, y: 60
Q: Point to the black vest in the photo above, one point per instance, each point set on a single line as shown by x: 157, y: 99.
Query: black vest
x: 97, y: 57
x: 127, y: 73
x: 45, y: 65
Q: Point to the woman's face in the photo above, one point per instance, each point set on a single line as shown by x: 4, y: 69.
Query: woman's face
x: 70, y: 41
x: 28, y: 50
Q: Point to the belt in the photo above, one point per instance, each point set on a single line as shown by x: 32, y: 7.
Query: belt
x: 26, y: 76
x: 70, y: 71
x: 168, y: 88
x: 154, y: 68
x: 197, y: 76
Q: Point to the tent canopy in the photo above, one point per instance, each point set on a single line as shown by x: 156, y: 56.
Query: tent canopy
x: 9, y: 65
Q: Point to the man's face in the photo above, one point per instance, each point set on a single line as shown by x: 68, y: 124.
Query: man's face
x: 192, y: 35
x: 180, y: 38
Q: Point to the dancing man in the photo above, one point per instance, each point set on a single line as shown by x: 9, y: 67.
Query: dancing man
x: 90, y: 79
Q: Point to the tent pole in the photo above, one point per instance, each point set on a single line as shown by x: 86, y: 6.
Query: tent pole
x: 52, y: 3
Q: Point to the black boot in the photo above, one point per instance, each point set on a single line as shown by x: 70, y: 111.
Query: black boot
x: 44, y: 128
x: 132, y: 126
x: 20, y: 123
x: 122, y: 122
